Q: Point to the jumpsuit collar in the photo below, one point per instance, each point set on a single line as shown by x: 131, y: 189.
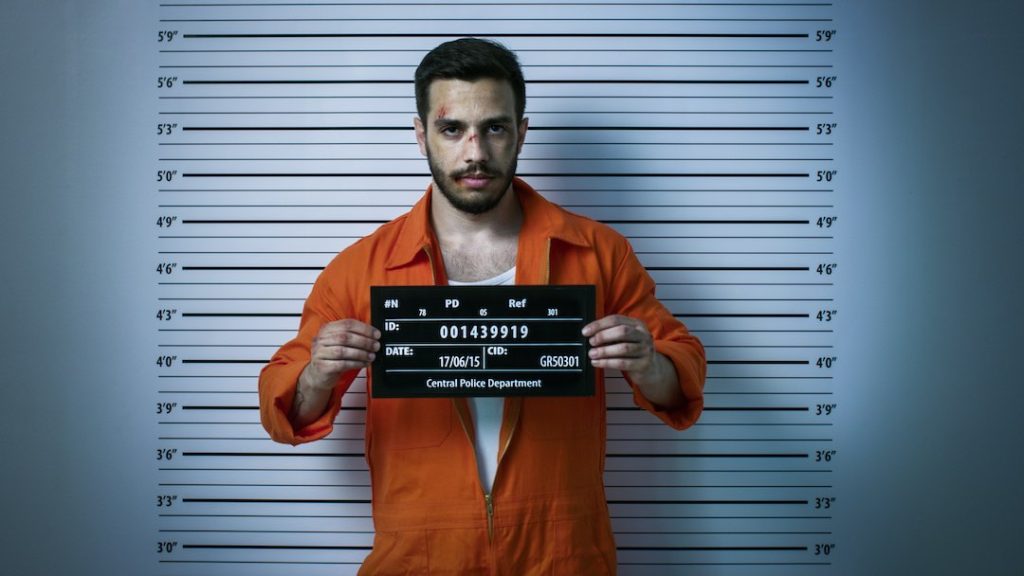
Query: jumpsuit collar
x: 542, y: 220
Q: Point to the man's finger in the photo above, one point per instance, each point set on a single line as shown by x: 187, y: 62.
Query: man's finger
x: 336, y: 353
x: 633, y: 350
x: 618, y: 333
x: 622, y: 364
x: 349, y: 339
x: 604, y: 323
x: 350, y: 325
x: 338, y: 366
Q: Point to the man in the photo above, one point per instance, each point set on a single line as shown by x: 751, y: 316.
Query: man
x: 483, y: 486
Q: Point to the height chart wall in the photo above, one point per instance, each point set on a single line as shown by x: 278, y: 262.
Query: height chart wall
x: 705, y: 133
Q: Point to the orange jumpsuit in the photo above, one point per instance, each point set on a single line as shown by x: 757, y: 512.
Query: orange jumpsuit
x: 547, y: 513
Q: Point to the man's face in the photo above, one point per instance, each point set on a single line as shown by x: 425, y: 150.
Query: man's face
x: 471, y: 141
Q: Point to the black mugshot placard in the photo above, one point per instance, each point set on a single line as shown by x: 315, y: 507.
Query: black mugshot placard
x: 482, y: 341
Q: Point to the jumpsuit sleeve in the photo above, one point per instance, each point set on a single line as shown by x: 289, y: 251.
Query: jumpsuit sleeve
x: 631, y: 293
x: 279, y: 378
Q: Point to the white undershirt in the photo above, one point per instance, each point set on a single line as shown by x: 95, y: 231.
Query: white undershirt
x: 487, y: 412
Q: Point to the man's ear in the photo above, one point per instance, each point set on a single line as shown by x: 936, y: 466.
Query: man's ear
x: 421, y: 134
x: 524, y: 124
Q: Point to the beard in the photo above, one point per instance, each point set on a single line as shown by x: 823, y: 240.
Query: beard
x: 473, y: 201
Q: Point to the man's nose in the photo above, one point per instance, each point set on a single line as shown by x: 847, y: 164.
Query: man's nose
x: 474, y: 148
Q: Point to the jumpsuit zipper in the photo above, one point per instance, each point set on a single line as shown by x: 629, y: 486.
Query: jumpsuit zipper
x: 488, y: 501
x: 488, y: 498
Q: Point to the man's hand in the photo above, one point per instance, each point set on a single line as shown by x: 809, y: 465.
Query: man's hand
x: 339, y: 346
x: 625, y: 344
x: 620, y: 342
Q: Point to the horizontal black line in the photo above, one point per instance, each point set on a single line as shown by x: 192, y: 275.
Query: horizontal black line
x: 742, y: 315
x: 334, y: 252
x: 502, y: 35
x: 252, y: 267
x: 756, y: 409
x: 272, y: 547
x: 526, y: 175
x: 264, y: 438
x: 367, y: 501
x: 521, y: 158
x: 616, y: 439
x: 272, y: 562
x: 221, y: 407
x: 463, y: 4
x: 225, y: 531
x: 186, y: 469
x: 716, y: 549
x: 565, y: 158
x: 565, y: 81
x: 784, y: 502
x: 317, y: 128
x: 533, y: 145
x: 380, y: 221
x: 241, y: 314
x: 707, y: 532
x: 782, y: 362
x: 725, y: 563
x: 707, y: 455
x: 223, y: 361
x: 550, y: 97
x: 730, y: 268
x: 357, y: 237
x: 610, y: 455
x: 542, y: 50
x: 271, y: 454
x: 279, y: 500
x: 607, y: 485
x: 687, y: 315
x: 535, y: 66
x: 419, y: 190
x: 489, y: 20
x: 718, y: 517
x: 364, y: 469
x: 303, y: 485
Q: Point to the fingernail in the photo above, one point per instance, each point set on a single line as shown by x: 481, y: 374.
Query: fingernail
x: 372, y: 356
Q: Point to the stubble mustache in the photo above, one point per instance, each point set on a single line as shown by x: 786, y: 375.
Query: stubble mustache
x: 476, y: 171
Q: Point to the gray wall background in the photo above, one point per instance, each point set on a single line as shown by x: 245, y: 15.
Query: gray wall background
x: 931, y: 209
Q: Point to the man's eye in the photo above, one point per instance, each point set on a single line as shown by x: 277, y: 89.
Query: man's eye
x: 449, y: 130
x: 496, y: 129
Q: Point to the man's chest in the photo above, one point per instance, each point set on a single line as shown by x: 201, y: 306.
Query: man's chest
x: 469, y: 263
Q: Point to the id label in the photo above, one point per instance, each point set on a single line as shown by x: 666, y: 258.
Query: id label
x: 482, y: 341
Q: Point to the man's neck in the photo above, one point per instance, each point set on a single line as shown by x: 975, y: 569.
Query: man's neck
x: 477, y: 246
x: 454, y: 227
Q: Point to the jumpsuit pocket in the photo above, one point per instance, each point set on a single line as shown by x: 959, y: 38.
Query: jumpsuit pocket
x: 397, y: 554
x: 409, y: 423
x: 579, y: 549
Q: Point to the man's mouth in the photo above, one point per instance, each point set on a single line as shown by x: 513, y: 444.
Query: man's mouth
x: 478, y: 180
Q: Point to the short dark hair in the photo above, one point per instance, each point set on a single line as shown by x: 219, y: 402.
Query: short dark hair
x: 469, y: 59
